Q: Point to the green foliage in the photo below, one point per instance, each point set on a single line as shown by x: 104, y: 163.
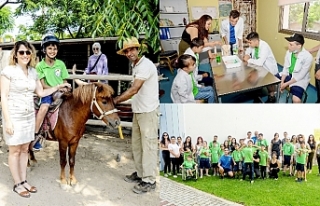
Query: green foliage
x: 6, y: 20
x: 284, y: 191
x: 313, y: 14
x: 95, y: 18
x: 27, y: 33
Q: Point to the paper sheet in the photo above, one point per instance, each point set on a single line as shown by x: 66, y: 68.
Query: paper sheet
x: 197, y: 12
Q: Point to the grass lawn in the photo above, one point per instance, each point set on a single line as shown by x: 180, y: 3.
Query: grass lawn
x: 285, y: 191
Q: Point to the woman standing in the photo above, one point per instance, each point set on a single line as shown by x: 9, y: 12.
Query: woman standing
x: 98, y: 62
x: 165, y: 141
x: 199, y: 146
x: 19, y: 81
x: 312, y: 143
x: 276, y: 145
x: 199, y: 28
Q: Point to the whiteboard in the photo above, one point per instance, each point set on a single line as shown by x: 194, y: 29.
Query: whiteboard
x: 197, y: 12
x: 236, y: 120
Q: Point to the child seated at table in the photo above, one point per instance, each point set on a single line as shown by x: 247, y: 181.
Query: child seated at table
x: 184, y: 88
x: 196, y: 46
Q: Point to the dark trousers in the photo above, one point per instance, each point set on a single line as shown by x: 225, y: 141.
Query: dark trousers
x: 248, y: 168
x: 207, y: 81
x: 231, y: 48
x: 310, y: 158
x: 317, y: 83
x: 175, y: 165
x: 166, y: 159
x: 274, y: 172
x: 257, y: 172
x: 318, y: 160
x: 263, y: 170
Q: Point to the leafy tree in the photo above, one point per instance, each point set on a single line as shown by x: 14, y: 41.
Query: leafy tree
x: 95, y: 18
x: 6, y: 20
x: 25, y: 33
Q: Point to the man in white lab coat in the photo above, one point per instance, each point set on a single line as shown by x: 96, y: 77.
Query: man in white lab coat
x: 231, y: 30
x: 296, y: 68
x: 259, y: 53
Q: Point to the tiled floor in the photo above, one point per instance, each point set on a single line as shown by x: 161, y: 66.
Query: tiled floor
x: 187, y: 196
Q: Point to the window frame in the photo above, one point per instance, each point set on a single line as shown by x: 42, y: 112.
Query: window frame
x: 306, y: 34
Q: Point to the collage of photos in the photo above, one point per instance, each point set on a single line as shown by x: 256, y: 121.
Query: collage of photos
x: 160, y: 102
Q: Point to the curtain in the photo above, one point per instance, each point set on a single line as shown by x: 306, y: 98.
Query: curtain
x: 287, y: 2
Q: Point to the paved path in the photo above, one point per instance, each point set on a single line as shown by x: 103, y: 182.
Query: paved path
x: 187, y: 196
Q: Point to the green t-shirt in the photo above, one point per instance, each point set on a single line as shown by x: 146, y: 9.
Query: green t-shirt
x: 188, y: 164
x: 53, y: 75
x: 263, y: 158
x: 186, y: 154
x: 262, y: 142
x: 221, y: 152
x: 248, y: 154
x: 211, y: 145
x: 214, y: 154
x: 293, y: 63
x: 236, y: 155
x: 301, y: 158
x: 195, y: 89
x: 203, y: 151
x: 288, y: 149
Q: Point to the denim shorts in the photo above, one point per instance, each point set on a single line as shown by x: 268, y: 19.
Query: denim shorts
x: 47, y: 99
x: 204, y: 163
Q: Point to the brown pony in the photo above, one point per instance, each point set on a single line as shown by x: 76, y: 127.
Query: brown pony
x: 96, y: 99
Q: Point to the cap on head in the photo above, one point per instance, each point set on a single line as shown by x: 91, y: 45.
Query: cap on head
x: 129, y: 43
x: 296, y: 37
x: 49, y: 38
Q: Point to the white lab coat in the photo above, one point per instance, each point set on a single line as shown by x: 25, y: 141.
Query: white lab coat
x: 238, y: 29
x: 266, y: 58
x: 301, y: 72
x: 197, y: 77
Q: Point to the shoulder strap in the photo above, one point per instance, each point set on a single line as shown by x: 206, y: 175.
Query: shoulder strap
x: 95, y: 63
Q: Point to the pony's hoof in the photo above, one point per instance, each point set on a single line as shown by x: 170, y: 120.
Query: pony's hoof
x: 73, y: 182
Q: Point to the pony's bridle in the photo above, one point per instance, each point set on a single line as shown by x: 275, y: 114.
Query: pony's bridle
x: 102, y: 113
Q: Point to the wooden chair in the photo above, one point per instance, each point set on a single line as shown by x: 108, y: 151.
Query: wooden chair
x: 167, y: 57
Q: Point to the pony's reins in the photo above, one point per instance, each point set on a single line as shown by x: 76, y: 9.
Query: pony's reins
x: 102, y: 114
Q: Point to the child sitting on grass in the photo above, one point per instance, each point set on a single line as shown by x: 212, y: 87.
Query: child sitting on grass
x: 189, y: 164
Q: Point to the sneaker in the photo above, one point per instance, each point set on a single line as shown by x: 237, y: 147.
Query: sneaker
x: 271, y: 99
x: 179, y: 174
x: 241, y: 180
x: 37, y: 146
x: 174, y: 176
x: 251, y: 182
x: 169, y: 174
x: 275, y: 178
x: 142, y: 187
x: 208, y: 175
x: 132, y: 178
x: 166, y: 175
x: 201, y: 176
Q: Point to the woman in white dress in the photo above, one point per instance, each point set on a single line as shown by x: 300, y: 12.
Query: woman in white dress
x: 19, y: 82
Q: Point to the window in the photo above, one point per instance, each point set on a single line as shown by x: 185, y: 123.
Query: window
x: 302, y: 18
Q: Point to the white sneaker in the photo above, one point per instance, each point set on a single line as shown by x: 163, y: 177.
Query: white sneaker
x: 175, y: 176
x: 166, y: 175
x: 201, y: 177
x: 275, y: 178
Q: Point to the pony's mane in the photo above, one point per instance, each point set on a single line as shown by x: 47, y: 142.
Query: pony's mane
x: 84, y: 93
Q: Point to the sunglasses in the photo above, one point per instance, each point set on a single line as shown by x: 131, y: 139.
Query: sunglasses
x: 24, y: 52
x: 96, y: 49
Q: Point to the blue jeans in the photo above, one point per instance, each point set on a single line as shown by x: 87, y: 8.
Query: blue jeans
x: 205, y: 93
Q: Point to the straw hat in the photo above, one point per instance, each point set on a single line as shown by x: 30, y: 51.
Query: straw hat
x: 129, y: 43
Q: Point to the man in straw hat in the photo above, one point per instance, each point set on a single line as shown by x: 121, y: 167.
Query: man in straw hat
x: 145, y: 103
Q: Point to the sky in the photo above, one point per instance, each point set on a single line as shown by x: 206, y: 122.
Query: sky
x: 25, y: 20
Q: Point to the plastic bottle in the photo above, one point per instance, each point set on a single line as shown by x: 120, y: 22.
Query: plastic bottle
x: 235, y: 49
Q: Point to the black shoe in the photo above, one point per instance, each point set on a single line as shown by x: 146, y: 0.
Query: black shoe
x: 132, y: 178
x: 143, y: 187
x: 271, y: 99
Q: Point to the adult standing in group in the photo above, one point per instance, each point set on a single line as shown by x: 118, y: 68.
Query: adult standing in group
x: 199, y: 28
x: 317, y: 69
x: 19, y: 82
x: 231, y: 30
x: 98, y: 62
x: 145, y: 124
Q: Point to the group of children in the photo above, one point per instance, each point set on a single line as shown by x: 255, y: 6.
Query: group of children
x: 252, y: 156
